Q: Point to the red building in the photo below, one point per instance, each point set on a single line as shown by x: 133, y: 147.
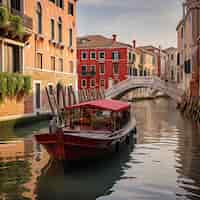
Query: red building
x: 102, y: 61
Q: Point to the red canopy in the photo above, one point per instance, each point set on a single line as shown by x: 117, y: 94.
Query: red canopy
x: 105, y: 104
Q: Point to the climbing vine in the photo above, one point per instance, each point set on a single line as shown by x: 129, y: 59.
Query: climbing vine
x: 13, y: 85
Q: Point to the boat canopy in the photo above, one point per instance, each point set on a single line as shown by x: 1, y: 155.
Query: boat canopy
x: 105, y: 104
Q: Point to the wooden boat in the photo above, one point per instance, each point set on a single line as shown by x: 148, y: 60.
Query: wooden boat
x: 89, y: 129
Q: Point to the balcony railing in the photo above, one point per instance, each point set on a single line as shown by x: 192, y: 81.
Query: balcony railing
x: 89, y: 74
x: 27, y: 21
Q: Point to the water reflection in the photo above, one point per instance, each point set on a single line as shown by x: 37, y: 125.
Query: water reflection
x: 84, y: 180
x: 20, y: 163
x: 164, y: 164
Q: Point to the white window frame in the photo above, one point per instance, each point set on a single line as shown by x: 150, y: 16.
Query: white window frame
x: 100, y: 69
x: 118, y: 69
x: 84, y: 52
x: 100, y: 54
x: 94, y: 68
x: 91, y: 83
x: 82, y: 83
x: 104, y: 83
x: 118, y: 56
x: 91, y: 55
x: 35, y: 110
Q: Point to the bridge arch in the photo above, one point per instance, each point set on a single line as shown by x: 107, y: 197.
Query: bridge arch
x: 153, y: 82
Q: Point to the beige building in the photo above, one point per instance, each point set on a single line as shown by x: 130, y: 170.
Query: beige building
x: 144, y: 63
x: 172, y: 71
x: 188, y: 35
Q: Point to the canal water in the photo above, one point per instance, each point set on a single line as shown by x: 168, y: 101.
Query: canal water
x: 164, y: 164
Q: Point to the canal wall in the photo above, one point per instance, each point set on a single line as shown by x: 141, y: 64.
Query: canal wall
x: 190, y: 107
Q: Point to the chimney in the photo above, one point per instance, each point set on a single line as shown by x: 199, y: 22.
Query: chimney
x: 134, y: 44
x: 114, y: 37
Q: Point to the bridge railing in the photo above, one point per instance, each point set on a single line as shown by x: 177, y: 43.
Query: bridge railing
x: 145, y: 81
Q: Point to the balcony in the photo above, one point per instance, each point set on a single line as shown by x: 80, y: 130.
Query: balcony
x: 89, y: 74
x: 27, y: 21
x: 14, y: 24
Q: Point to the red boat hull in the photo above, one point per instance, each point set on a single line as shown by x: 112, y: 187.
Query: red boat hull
x: 68, y: 147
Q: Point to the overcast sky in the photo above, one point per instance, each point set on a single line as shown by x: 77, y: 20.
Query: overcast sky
x: 148, y: 21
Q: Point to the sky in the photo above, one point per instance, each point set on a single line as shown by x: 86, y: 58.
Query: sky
x: 149, y: 22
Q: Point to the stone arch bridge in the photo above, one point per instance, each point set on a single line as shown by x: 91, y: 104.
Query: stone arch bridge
x: 155, y: 83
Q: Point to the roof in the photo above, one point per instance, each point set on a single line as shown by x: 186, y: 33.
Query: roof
x: 151, y: 48
x: 99, y: 41
x: 105, y: 104
x: 170, y: 49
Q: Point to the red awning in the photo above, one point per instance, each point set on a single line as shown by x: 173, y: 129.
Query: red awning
x: 105, y: 104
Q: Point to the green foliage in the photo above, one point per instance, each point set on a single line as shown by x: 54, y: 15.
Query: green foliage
x: 27, y: 85
x: 19, y: 84
x: 11, y: 85
x: 16, y: 24
x: 3, y: 87
x: 4, y: 16
x: 14, y: 21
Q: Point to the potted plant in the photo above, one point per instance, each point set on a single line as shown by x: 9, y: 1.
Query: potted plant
x: 4, y: 16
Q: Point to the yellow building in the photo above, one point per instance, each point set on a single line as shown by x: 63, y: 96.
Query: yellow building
x: 144, y: 63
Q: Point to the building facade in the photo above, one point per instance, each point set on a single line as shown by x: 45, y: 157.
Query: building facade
x: 46, y: 52
x: 160, y: 60
x: 102, y: 62
x: 188, y: 35
x: 172, y: 70
x: 145, y: 62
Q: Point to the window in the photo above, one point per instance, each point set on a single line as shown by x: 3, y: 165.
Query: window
x: 92, y: 55
x: 101, y: 68
x: 37, y: 96
x: 116, y: 68
x: 39, y: 18
x: 84, y: 70
x: 15, y: 4
x: 60, y: 65
x: 60, y: 3
x: 102, y: 83
x: 101, y: 55
x: 83, y: 83
x: 53, y: 63
x: 70, y: 9
x: 71, y: 67
x: 39, y: 61
x: 172, y: 57
x: 187, y: 66
x: 92, y: 83
x: 115, y: 55
x: 182, y: 30
x: 59, y: 29
x: 178, y: 59
x: 84, y: 56
x: 52, y: 29
x: 93, y: 68
x: 130, y: 56
x: 70, y: 37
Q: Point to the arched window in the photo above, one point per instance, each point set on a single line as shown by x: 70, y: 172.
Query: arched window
x: 39, y: 17
x: 59, y: 29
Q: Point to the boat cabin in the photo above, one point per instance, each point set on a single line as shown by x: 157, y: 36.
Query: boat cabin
x: 98, y: 115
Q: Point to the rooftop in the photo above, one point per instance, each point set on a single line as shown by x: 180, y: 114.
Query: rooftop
x: 99, y: 41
